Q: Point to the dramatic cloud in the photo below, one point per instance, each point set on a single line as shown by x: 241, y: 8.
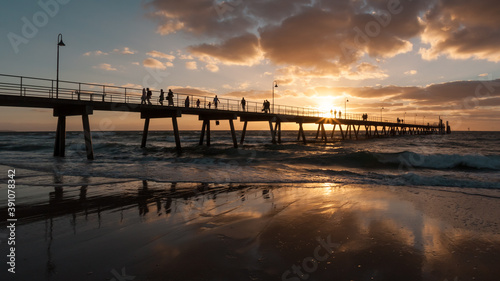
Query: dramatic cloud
x: 106, y: 66
x: 243, y: 49
x: 153, y: 63
x: 410, y: 72
x: 463, y: 29
x: 458, y: 95
x: 156, y: 54
x: 332, y: 38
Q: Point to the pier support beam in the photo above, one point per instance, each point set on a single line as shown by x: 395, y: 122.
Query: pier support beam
x: 301, y: 134
x: 145, y: 133
x: 205, y: 128
x: 87, y: 136
x: 60, y: 142
x: 233, y: 133
x: 60, y: 145
x: 323, y: 133
x: 206, y: 118
x: 342, y: 132
x: 244, y: 132
x: 148, y: 113
x: 176, y: 134
x: 275, y: 132
x: 273, y: 135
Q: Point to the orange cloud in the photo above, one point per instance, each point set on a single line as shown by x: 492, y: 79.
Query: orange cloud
x: 156, y: 54
x: 106, y: 66
x: 153, y: 63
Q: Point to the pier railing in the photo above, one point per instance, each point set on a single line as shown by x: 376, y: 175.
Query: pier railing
x: 47, y: 88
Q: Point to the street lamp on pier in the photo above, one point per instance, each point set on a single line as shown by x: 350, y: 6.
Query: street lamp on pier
x: 275, y: 85
x: 59, y: 44
x: 381, y: 114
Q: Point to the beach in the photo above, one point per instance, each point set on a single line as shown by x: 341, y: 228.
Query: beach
x: 322, y: 213
x: 164, y: 231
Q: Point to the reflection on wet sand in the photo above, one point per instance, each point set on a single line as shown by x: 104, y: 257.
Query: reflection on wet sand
x: 181, y: 231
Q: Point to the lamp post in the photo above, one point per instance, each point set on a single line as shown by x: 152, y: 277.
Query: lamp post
x: 345, y: 108
x: 381, y: 114
x: 275, y: 85
x: 59, y: 43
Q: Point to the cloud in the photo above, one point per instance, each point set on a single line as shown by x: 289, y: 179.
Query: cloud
x: 462, y: 30
x: 132, y: 85
x: 125, y: 51
x: 410, y: 72
x: 458, y: 95
x: 106, y: 66
x: 196, y: 91
x: 199, y: 17
x: 153, y: 63
x: 483, y: 74
x: 242, y: 50
x: 191, y: 65
x: 212, y: 67
x: 331, y: 39
x: 95, y: 53
x: 156, y: 54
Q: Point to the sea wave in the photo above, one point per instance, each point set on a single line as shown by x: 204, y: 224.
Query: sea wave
x: 411, y: 160
x: 405, y: 161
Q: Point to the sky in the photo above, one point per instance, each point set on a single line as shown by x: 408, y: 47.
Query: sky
x: 415, y: 59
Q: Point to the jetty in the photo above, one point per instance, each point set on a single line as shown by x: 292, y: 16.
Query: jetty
x: 68, y: 98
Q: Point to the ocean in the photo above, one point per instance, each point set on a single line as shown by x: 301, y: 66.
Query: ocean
x: 401, y: 208
x: 461, y: 159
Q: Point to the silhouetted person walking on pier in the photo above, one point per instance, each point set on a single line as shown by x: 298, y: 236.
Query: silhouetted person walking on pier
x: 162, y: 96
x: 340, y: 114
x: 198, y: 103
x: 143, y: 97
x: 149, y: 95
x: 266, y: 106
x: 186, y: 102
x: 335, y: 114
x: 216, y: 101
x: 170, y: 97
x: 209, y: 105
x: 243, y: 103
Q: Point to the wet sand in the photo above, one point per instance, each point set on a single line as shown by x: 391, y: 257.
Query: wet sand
x: 138, y: 230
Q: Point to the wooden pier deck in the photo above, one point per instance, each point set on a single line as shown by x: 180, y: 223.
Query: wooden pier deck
x: 81, y: 99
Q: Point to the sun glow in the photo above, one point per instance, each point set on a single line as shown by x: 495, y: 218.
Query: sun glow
x: 327, y: 104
